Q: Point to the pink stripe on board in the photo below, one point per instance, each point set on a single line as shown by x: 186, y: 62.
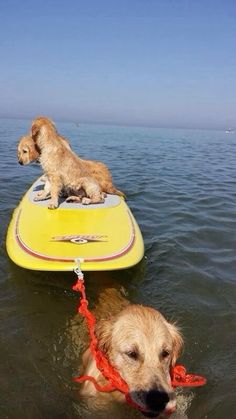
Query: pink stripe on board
x: 60, y: 259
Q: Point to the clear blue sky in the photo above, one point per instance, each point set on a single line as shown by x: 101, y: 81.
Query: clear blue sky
x: 145, y: 62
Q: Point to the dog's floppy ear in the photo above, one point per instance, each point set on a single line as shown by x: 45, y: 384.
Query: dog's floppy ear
x: 33, y: 152
x: 34, y: 130
x: 178, y: 342
x: 103, y: 332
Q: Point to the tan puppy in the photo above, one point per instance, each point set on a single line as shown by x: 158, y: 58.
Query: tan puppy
x: 62, y: 167
x: 27, y: 152
x: 143, y: 346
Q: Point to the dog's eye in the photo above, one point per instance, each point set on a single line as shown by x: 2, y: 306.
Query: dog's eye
x: 25, y: 151
x: 132, y: 354
x: 165, y: 353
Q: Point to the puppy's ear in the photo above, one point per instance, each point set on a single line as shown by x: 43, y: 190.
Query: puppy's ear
x: 33, y: 153
x: 178, y: 343
x: 103, y: 332
x: 34, y: 130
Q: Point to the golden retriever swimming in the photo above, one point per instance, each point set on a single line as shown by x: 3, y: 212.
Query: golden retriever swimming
x: 143, y: 346
x: 64, y: 170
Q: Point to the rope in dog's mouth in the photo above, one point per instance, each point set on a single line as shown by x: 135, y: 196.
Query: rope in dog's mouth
x: 179, y: 377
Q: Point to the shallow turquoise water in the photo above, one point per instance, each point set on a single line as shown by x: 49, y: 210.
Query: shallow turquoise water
x: 181, y: 187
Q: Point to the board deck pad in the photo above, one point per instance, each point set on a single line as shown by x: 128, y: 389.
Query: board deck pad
x: 103, y: 236
x: 110, y: 201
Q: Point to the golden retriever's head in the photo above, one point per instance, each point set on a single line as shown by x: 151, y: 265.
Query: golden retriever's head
x: 143, y: 347
x: 27, y: 150
x: 43, y: 129
x: 39, y: 123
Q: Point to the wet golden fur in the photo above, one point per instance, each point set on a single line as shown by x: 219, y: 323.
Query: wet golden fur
x: 27, y: 152
x: 63, y: 168
x: 142, y: 345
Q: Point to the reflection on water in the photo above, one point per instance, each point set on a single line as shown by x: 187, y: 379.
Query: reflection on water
x: 181, y: 187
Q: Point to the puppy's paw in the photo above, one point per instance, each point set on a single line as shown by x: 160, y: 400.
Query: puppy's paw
x: 37, y: 198
x: 73, y: 199
x: 99, y: 200
x: 86, y: 201
x: 52, y: 205
x: 41, y: 196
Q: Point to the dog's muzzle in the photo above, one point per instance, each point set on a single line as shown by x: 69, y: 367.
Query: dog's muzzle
x: 154, y: 402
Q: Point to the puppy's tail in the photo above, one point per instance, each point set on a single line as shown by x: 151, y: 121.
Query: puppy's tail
x: 109, y: 188
x: 120, y: 193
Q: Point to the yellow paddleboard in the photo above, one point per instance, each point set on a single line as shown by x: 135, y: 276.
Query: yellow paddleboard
x: 103, y: 236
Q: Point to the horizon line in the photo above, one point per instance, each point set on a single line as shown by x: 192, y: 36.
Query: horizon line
x: 119, y: 124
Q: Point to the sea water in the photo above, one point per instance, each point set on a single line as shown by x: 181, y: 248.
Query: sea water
x: 181, y: 188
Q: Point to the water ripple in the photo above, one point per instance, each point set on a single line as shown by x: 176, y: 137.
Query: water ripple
x: 181, y: 187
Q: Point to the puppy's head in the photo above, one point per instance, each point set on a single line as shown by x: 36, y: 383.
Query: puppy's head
x: 27, y: 150
x: 143, y: 347
x: 40, y: 123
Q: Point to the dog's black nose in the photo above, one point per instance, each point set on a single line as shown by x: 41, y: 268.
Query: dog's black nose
x: 156, y: 400
x: 20, y: 162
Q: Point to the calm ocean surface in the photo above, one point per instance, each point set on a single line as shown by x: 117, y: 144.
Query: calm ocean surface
x: 181, y: 187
